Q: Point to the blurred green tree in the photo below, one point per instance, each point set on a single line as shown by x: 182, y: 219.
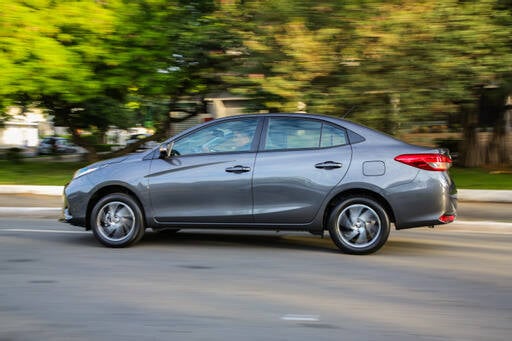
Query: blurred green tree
x: 97, y: 63
x: 439, y: 56
x: 291, y: 52
x: 396, y: 61
x: 170, y: 50
x: 54, y: 54
x: 89, y: 62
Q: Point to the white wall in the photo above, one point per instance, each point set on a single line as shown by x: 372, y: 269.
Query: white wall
x: 22, y: 129
x: 19, y: 135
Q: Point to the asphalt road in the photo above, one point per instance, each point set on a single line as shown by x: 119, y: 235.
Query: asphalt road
x: 58, y: 283
x: 466, y: 210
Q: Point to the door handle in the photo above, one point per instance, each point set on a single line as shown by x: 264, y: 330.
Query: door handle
x: 328, y: 165
x: 238, y: 169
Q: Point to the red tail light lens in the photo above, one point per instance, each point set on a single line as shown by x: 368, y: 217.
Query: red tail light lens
x: 447, y: 218
x: 431, y: 162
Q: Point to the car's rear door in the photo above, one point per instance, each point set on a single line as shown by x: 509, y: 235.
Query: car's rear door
x: 299, y: 163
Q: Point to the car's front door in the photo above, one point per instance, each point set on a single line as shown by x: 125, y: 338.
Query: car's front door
x: 209, y: 177
x: 299, y: 163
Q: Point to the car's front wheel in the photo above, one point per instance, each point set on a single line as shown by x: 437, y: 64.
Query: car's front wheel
x: 117, y: 221
x: 359, y: 225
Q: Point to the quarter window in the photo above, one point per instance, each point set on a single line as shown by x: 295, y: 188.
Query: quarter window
x: 333, y: 136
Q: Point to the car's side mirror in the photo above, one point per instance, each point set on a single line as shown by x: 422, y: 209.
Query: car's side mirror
x: 166, y: 150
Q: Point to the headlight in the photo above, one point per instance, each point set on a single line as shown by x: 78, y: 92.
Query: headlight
x: 85, y: 170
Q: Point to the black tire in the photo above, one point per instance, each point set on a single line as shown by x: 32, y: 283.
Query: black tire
x: 117, y: 220
x: 359, y: 225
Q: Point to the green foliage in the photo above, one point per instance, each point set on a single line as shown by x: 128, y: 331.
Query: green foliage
x: 51, y: 47
x: 396, y: 61
x: 475, y: 178
x: 37, y: 172
x: 100, y: 63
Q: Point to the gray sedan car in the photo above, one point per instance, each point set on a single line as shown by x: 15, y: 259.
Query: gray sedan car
x: 296, y: 172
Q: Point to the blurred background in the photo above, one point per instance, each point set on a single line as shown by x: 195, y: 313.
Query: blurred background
x: 110, y: 76
x: 93, y: 79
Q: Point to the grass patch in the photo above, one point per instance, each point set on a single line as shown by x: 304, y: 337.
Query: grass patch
x: 59, y: 173
x: 475, y: 178
x: 37, y: 172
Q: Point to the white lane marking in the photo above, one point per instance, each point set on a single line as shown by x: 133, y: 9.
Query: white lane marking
x: 302, y: 318
x: 28, y: 209
x: 43, y: 231
x: 479, y: 232
x: 482, y: 223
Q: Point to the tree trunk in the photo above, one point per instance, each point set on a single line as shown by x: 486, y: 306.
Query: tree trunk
x: 102, y: 134
x: 163, y: 131
x: 392, y: 122
x: 498, y: 152
x: 92, y: 155
x: 471, y: 150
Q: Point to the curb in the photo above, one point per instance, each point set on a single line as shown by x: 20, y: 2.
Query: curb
x: 466, y: 195
x: 30, y: 211
x: 484, y: 195
x: 28, y: 189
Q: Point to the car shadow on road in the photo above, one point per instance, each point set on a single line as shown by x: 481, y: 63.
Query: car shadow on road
x: 238, y: 239
x: 410, y: 245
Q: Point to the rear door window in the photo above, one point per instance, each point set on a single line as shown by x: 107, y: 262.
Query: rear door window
x: 292, y: 133
x: 298, y: 133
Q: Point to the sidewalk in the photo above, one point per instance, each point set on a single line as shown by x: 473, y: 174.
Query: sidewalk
x: 29, y: 189
x: 28, y: 205
x: 464, y: 195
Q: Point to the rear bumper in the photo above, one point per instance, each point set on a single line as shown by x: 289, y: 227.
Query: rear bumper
x: 430, y: 200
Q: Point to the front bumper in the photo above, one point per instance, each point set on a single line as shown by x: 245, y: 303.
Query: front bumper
x: 66, y: 217
x: 74, y: 210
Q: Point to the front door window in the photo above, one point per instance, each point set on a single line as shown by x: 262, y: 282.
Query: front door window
x: 231, y: 136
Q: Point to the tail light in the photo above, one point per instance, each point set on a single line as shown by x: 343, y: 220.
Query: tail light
x: 431, y: 162
x: 447, y: 218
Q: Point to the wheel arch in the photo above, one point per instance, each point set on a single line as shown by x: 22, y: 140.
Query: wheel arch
x: 353, y: 192
x: 109, y: 189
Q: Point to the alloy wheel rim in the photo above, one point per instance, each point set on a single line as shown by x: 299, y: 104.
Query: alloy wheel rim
x: 115, y: 221
x: 358, y: 225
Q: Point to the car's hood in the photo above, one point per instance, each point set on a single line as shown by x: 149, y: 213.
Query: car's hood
x: 114, y: 160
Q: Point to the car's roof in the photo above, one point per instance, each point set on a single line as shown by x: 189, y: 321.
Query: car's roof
x: 332, y: 119
x: 369, y: 134
x: 360, y: 129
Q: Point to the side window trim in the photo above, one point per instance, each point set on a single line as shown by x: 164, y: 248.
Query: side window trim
x: 263, y: 135
x: 321, y: 135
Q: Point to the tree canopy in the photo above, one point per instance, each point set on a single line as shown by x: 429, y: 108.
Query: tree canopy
x: 395, y: 61
x: 93, y: 64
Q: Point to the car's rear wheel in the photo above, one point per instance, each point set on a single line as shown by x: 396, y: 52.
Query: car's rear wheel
x: 359, y: 225
x: 117, y: 221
